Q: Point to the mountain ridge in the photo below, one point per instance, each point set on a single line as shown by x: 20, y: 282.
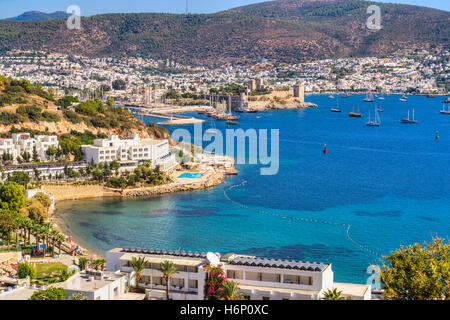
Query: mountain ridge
x: 39, y: 16
x: 283, y: 30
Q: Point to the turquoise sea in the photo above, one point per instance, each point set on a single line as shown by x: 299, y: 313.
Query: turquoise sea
x: 390, y: 183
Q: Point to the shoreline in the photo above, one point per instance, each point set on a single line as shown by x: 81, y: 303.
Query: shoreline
x: 67, y: 192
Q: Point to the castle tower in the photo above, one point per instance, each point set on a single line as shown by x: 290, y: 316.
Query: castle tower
x: 299, y: 92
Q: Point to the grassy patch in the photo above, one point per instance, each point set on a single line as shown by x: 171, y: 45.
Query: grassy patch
x: 50, y: 273
x: 47, y: 268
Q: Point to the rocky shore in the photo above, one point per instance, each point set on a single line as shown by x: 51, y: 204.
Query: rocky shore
x: 63, y: 192
x: 209, y: 180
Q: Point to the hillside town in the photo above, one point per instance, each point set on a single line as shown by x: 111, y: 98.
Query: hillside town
x: 148, y: 80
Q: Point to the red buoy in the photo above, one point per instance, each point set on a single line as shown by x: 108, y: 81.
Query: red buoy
x: 325, y: 151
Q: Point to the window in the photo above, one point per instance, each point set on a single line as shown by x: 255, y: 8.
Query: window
x: 192, y: 269
x: 308, y: 281
x: 265, y: 298
x: 193, y: 284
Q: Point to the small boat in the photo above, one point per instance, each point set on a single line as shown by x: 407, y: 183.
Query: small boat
x: 443, y: 111
x: 331, y: 96
x: 354, y: 114
x: 381, y: 98
x: 403, y: 98
x: 380, y: 109
x: 430, y: 95
x: 337, y: 109
x: 231, y: 173
x: 408, y: 120
x: 245, y: 110
x: 232, y: 122
x: 369, y: 98
x: 447, y: 100
x: 212, y: 131
x: 347, y: 95
x: 374, y: 123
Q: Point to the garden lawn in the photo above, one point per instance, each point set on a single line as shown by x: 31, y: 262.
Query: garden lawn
x: 44, y: 269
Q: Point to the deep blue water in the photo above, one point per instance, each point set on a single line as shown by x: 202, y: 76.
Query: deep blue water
x: 390, y: 183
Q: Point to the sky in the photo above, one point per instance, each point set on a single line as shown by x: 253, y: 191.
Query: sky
x: 12, y: 8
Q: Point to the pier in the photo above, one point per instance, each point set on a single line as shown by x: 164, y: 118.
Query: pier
x: 167, y: 113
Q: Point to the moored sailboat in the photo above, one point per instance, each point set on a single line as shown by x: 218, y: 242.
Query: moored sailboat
x: 408, y: 120
x: 443, y: 111
x: 337, y: 109
x: 369, y: 98
x: 354, y: 114
x: 376, y: 122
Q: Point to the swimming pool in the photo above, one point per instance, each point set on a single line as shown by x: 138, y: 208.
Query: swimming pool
x: 191, y: 175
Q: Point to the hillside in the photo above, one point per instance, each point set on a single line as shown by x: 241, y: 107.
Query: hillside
x: 27, y: 107
x: 283, y: 30
x: 40, y: 16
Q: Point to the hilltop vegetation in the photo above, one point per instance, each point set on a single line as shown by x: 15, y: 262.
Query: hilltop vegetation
x: 283, y: 30
x: 25, y: 107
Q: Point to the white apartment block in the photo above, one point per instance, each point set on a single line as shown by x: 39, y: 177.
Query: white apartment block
x: 97, y: 285
x: 130, y: 152
x: 258, y: 278
x: 46, y: 171
x: 22, y: 142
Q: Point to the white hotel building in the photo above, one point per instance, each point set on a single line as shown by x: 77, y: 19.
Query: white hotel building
x: 258, y: 278
x: 22, y: 142
x: 130, y: 152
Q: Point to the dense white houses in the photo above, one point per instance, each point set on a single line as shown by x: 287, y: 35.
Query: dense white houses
x: 258, y: 278
x: 20, y: 143
x: 130, y: 152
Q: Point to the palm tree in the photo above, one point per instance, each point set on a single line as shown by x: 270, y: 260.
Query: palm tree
x: 332, y: 294
x: 61, y: 238
x: 230, y: 290
x: 82, y: 263
x: 99, y: 264
x: 28, y: 225
x: 168, y: 269
x: 55, y: 235
x: 46, y: 232
x: 37, y: 230
x: 18, y: 221
x: 138, y: 265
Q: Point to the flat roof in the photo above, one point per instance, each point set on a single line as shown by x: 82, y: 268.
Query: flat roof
x: 82, y: 281
x: 352, y: 289
x: 174, y: 253
x: 159, y: 258
x: 277, y: 263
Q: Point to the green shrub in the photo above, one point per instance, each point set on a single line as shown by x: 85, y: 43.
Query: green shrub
x: 25, y: 270
x: 118, y: 183
x: 7, y: 118
x: 32, y: 113
x: 72, y: 116
x: 49, y: 294
x: 50, y: 117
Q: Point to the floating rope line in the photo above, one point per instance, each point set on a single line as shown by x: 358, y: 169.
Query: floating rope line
x: 292, y: 219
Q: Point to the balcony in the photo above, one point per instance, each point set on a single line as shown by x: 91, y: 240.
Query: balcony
x: 172, y: 289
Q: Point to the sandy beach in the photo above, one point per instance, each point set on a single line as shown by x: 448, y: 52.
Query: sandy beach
x: 65, y: 191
